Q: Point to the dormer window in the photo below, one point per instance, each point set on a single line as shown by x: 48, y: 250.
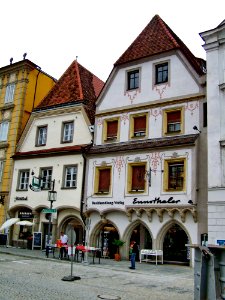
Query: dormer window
x: 41, y: 136
x: 133, y: 80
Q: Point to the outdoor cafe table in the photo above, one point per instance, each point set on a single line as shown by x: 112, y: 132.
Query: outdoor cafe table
x: 80, y: 249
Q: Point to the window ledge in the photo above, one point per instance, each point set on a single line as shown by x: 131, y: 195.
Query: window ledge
x: 68, y: 188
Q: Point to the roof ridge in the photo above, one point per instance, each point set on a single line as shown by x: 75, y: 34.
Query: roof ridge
x: 79, y: 79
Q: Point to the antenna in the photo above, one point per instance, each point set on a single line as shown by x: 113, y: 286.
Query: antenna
x: 11, y: 60
x: 24, y: 55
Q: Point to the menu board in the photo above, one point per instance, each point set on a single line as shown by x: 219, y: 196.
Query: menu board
x: 37, y: 239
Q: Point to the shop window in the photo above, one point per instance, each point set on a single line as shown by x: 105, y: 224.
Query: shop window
x: 110, y: 130
x: 67, y: 132
x: 161, y: 73
x: 174, y: 175
x: 133, y: 80
x: 9, y: 94
x: 70, y: 177
x: 138, y: 124
x: 173, y: 121
x: 137, y: 177
x: 103, y: 180
x: 4, y: 127
x: 46, y: 178
x: 23, y: 180
x: 41, y: 136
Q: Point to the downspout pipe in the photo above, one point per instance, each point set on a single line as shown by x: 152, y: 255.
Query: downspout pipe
x: 84, y: 150
x: 35, y: 90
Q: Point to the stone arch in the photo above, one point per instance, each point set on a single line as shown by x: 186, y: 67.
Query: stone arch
x: 164, y: 231
x: 105, y: 231
x: 128, y: 233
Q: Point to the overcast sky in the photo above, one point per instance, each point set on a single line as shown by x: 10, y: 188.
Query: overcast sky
x: 54, y: 32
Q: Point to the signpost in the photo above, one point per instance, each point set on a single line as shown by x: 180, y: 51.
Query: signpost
x: 49, y: 210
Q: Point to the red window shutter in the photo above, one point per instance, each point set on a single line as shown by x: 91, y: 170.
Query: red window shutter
x: 112, y: 128
x: 138, y: 177
x: 104, y: 180
x: 140, y: 123
x: 174, y: 116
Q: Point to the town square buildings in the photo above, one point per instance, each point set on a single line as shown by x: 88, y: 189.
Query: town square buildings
x: 141, y: 172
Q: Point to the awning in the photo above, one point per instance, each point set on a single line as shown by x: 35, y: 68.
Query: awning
x: 9, y: 223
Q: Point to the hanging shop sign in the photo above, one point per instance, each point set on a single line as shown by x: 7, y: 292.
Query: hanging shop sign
x: 36, y: 183
x: 25, y: 215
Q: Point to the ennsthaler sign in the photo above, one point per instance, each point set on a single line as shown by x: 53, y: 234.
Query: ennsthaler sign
x: 157, y: 200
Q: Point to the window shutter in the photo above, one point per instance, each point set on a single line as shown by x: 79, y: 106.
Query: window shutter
x: 104, y: 180
x: 112, y: 128
x: 139, y: 123
x: 174, y: 116
x: 138, y: 177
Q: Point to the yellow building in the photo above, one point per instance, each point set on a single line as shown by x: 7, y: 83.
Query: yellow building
x: 22, y: 86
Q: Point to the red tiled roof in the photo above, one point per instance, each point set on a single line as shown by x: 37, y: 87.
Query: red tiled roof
x: 151, y: 144
x: 157, y: 37
x: 76, y: 85
x: 51, y: 151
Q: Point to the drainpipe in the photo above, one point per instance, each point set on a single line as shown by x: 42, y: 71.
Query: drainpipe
x: 35, y: 90
x: 84, y: 150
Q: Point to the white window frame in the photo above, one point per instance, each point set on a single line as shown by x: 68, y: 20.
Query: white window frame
x: 4, y: 128
x: 68, y: 130
x: 70, y: 176
x: 46, y: 179
x: 42, y: 136
x: 24, y: 176
x: 9, y: 93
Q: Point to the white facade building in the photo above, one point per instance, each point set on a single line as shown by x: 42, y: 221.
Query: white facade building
x: 50, y: 151
x: 146, y: 170
x: 215, y: 56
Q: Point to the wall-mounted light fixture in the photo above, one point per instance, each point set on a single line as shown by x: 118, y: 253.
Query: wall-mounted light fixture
x: 196, y: 128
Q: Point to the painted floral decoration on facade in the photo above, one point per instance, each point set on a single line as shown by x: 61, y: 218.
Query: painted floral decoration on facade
x: 155, y: 112
x: 191, y: 106
x: 155, y: 160
x: 160, y: 89
x: 119, y: 164
x: 124, y: 118
x: 132, y: 94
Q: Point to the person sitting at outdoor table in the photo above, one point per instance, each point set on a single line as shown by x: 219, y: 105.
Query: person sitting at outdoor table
x: 64, y: 241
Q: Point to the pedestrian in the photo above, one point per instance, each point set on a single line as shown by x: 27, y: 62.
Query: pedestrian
x: 64, y: 241
x: 134, y: 251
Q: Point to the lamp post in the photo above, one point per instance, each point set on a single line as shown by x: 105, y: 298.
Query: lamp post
x: 52, y: 195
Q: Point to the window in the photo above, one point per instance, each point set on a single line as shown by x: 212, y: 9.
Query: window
x: 103, y: 180
x: 173, y: 121
x: 138, y: 125
x: 46, y: 178
x: 68, y: 128
x: 24, y: 180
x: 133, y: 80
x: 110, y: 131
x: 174, y: 175
x: 41, y: 135
x: 70, y: 177
x: 1, y: 170
x: 136, y: 177
x: 205, y: 114
x: 4, y: 126
x: 161, y: 73
x: 9, y: 94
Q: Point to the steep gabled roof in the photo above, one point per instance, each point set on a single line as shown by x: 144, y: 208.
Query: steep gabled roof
x: 77, y: 85
x: 157, y: 37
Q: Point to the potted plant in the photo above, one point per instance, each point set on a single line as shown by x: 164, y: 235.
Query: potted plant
x: 118, y: 243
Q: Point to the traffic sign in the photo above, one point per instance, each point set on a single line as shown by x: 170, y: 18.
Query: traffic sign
x: 49, y: 210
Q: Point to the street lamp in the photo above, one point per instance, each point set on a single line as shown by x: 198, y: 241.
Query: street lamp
x: 52, y: 196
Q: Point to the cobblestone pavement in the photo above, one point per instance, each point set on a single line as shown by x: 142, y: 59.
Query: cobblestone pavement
x: 28, y: 274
